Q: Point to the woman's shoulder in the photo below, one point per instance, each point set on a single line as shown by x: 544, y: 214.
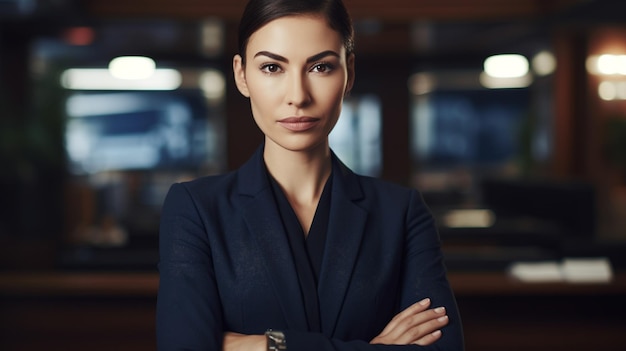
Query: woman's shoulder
x: 205, y: 187
x: 387, y: 195
x: 209, y: 181
x: 385, y: 186
x: 202, y: 195
x: 369, y: 184
x: 389, y: 199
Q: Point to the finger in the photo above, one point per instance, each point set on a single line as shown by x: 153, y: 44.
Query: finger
x: 429, y: 339
x: 424, y: 329
x: 406, y: 313
x: 417, y: 307
x: 419, y: 325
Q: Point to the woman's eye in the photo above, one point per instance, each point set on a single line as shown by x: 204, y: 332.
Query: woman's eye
x: 322, y: 68
x: 270, y: 68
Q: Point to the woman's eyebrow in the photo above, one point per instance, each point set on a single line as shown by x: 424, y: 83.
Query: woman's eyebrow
x: 321, y: 55
x: 310, y: 59
x: 272, y: 56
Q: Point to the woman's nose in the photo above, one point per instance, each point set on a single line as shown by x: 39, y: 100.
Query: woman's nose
x: 298, y: 93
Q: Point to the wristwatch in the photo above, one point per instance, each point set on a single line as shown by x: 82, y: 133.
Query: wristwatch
x: 275, y: 340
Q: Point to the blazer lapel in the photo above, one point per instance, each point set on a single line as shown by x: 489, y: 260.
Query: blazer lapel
x: 345, y: 232
x: 264, y: 222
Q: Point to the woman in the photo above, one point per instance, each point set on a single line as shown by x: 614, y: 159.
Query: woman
x: 293, y: 251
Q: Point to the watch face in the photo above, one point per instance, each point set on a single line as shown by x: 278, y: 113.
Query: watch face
x: 275, y: 340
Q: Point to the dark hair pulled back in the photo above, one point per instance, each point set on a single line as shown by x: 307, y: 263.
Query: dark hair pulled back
x: 260, y: 12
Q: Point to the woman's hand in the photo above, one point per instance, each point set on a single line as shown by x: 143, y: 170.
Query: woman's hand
x: 241, y: 342
x: 415, y: 325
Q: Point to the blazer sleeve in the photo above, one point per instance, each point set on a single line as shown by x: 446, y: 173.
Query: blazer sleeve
x: 424, y: 275
x: 188, y: 315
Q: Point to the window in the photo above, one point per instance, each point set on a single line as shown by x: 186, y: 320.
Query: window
x: 356, y: 139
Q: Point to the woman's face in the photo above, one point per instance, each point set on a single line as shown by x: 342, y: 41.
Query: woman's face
x: 296, y: 75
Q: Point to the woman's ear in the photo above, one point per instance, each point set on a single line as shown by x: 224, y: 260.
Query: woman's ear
x: 351, y: 73
x: 240, y: 75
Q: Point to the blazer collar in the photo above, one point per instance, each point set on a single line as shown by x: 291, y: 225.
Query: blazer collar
x: 253, y: 177
x: 345, y: 231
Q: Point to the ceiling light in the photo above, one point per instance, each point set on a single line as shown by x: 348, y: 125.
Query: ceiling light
x: 544, y: 63
x: 506, y: 66
x: 612, y: 64
x: 132, y: 67
x: 213, y: 84
x: 607, y: 64
x: 102, y: 79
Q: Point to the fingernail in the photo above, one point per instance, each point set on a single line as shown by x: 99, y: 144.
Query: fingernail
x: 442, y: 318
x: 436, y: 333
x: 440, y: 309
x: 425, y: 302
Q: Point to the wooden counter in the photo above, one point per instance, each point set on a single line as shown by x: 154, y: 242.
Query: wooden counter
x: 146, y: 285
x: 79, y: 284
x: 115, y: 311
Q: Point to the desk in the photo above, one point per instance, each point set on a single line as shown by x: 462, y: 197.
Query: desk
x: 500, y: 313
x: 115, y: 311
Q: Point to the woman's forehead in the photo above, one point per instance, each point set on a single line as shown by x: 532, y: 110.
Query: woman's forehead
x: 291, y: 34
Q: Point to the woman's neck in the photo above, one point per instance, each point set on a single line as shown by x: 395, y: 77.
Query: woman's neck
x: 301, y: 174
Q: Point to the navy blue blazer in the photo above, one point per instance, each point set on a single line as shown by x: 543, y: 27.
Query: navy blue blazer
x: 225, y: 264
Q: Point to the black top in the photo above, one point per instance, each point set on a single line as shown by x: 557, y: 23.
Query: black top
x: 307, y: 252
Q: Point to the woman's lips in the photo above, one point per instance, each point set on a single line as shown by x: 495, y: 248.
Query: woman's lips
x: 299, y: 124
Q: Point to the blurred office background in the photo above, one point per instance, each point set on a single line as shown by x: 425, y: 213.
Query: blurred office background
x: 509, y: 116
